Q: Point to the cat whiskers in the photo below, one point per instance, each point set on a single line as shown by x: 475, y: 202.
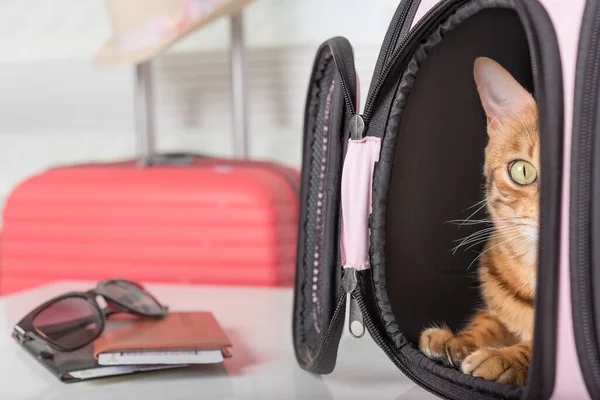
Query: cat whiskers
x: 503, y: 234
x: 468, y: 221
x: 476, y: 204
x: 484, y: 235
x: 480, y: 205
x: 474, y: 237
x: 520, y: 235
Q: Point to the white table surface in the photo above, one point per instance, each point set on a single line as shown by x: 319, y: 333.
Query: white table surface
x: 263, y: 366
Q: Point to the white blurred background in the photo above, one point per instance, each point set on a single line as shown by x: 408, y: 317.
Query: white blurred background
x: 56, y: 109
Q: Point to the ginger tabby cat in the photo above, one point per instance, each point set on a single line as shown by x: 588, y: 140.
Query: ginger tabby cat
x: 496, y: 343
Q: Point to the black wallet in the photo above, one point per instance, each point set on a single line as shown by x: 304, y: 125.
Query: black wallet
x: 80, y: 365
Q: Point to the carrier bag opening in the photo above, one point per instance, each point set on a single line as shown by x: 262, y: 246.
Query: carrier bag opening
x: 429, y: 187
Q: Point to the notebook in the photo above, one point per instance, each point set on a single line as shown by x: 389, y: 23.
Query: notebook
x: 178, y: 338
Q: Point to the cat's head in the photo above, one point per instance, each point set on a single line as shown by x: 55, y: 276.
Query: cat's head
x: 512, y: 167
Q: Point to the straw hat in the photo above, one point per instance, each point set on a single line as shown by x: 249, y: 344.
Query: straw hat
x: 143, y: 29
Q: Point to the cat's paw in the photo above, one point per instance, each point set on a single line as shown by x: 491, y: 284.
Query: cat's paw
x: 504, y: 365
x: 441, y: 344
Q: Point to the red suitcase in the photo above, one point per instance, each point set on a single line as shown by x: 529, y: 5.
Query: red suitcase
x: 212, y: 221
x: 182, y: 219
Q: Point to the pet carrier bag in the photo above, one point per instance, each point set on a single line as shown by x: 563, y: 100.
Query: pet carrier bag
x: 379, y: 185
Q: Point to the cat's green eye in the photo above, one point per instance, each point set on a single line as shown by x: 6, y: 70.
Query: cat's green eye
x: 522, y: 172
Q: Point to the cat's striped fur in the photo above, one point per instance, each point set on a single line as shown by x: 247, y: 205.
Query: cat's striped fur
x: 496, y: 343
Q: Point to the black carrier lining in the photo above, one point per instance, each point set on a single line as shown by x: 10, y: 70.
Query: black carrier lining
x: 319, y: 119
x: 430, y: 172
x: 317, y: 298
x: 436, y: 137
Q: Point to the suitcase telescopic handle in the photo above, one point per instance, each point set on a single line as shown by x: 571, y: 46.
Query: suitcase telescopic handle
x: 144, y: 114
x: 145, y: 129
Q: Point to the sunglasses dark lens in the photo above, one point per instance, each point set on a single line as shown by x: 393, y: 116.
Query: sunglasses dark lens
x: 69, y: 323
x: 134, y: 297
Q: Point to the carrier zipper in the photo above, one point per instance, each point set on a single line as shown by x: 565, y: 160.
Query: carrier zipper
x: 350, y: 284
x: 358, y: 310
x: 390, y: 351
x: 390, y: 47
x: 391, y: 38
x: 399, y: 24
x: 583, y: 263
x: 357, y: 127
x: 360, y: 313
x: 323, y: 351
x: 405, y: 47
x: 347, y: 98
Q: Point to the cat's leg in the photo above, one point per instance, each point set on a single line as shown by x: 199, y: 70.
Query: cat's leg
x: 504, y: 364
x: 483, y: 330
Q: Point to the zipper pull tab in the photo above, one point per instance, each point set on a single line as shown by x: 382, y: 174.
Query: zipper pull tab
x: 356, y: 324
x: 357, y: 127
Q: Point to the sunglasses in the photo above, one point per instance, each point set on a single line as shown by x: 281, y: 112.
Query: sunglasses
x: 74, y: 320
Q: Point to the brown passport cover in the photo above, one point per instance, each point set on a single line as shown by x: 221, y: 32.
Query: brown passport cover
x: 176, y: 331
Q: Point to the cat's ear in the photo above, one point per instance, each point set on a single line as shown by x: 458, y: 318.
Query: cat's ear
x: 500, y: 93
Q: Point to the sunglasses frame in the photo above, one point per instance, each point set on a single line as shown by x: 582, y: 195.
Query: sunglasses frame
x: 24, y: 330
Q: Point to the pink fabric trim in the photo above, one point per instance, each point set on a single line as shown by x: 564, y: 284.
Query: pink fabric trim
x: 424, y: 6
x: 569, y: 384
x: 357, y: 180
